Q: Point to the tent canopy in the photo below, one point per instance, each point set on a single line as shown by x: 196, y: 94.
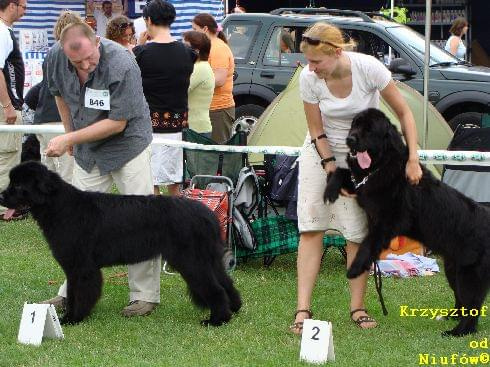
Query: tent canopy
x: 284, y: 121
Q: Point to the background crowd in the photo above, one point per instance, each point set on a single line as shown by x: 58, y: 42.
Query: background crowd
x: 191, y: 85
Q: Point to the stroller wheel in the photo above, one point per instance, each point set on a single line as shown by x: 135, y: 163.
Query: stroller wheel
x: 229, y: 260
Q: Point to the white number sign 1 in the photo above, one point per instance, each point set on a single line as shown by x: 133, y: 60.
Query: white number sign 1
x: 38, y: 321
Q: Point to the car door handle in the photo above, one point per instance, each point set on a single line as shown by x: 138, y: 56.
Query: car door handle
x: 267, y: 74
x: 235, y: 75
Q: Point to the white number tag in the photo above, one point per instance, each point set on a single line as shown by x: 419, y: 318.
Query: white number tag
x: 99, y: 99
x: 317, y: 342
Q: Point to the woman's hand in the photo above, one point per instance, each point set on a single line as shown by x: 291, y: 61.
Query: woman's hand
x: 330, y: 167
x: 413, y: 171
x: 144, y: 36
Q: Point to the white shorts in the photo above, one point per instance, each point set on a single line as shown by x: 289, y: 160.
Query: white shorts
x: 167, y: 163
x: 344, y: 216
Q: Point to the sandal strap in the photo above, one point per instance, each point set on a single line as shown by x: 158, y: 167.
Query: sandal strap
x: 297, y: 325
x: 310, y: 314
x: 363, y: 319
x: 357, y: 310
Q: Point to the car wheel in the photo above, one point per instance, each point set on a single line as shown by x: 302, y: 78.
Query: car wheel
x: 246, y: 116
x: 473, y: 118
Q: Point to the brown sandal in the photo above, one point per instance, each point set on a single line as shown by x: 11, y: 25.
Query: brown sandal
x: 299, y: 325
x: 362, y: 319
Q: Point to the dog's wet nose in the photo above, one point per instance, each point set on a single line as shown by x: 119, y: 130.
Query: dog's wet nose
x: 351, y: 140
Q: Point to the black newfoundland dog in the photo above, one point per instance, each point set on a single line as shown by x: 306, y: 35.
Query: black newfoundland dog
x: 433, y: 213
x: 87, y: 231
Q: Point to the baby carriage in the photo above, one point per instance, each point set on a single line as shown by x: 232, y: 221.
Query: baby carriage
x: 210, y: 177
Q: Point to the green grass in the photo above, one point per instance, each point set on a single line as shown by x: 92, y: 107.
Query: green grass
x: 257, y: 336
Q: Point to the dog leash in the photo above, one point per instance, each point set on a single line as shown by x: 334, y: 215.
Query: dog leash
x: 379, y: 285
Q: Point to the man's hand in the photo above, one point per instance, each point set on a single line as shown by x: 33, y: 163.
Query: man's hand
x: 10, y: 115
x: 58, y: 146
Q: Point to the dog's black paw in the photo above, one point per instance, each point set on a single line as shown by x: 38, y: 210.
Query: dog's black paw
x: 331, y: 193
x: 235, y: 305
x: 447, y: 318
x: 354, y: 272
x: 208, y: 322
x: 458, y: 333
x: 339, y: 179
x: 68, y: 320
x: 65, y: 321
x: 357, y: 268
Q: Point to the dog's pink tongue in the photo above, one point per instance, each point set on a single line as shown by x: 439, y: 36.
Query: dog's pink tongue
x: 363, y: 159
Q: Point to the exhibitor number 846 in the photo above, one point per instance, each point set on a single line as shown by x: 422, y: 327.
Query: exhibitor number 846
x: 96, y: 102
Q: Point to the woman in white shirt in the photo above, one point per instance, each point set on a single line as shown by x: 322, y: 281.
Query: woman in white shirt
x: 334, y: 87
x: 455, y: 44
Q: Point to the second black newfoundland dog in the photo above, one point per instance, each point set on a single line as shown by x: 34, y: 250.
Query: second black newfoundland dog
x: 87, y: 231
x: 443, y: 219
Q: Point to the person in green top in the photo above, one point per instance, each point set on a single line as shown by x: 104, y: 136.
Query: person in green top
x: 202, y: 84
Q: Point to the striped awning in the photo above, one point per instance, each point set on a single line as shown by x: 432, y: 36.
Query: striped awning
x: 186, y: 10
x: 41, y: 15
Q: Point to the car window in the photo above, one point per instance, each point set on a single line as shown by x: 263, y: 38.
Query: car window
x: 416, y: 42
x: 283, y: 47
x: 240, y: 37
x: 370, y: 44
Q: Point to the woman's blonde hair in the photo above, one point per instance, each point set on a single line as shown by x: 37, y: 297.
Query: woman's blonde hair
x: 65, y: 18
x: 330, y: 36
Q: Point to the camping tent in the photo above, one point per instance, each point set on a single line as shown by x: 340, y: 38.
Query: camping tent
x: 284, y: 122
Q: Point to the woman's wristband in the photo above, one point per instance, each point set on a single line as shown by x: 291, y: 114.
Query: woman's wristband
x: 322, y: 136
x: 324, y: 161
x: 7, y: 105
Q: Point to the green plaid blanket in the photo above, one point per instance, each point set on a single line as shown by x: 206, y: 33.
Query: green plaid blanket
x: 277, y: 235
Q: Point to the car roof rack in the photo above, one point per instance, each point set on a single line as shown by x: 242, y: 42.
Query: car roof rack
x: 320, y: 11
x: 379, y: 14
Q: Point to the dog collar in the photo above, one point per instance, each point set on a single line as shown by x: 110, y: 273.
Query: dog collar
x: 364, y: 180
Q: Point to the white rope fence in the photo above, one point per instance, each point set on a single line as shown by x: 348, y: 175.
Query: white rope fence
x: 426, y: 156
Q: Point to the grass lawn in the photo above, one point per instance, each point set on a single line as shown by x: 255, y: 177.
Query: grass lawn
x: 257, y: 336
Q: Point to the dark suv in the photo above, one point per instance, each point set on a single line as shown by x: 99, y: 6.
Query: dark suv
x: 266, y: 50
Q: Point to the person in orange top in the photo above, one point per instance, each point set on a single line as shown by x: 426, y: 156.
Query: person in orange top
x: 222, y: 110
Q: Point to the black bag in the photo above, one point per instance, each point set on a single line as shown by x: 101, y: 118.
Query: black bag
x: 282, y: 175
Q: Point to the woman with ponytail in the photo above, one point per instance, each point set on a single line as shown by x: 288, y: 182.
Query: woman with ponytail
x: 222, y: 110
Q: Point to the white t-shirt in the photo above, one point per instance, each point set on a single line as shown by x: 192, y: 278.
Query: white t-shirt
x: 6, y: 44
x: 102, y: 21
x: 369, y: 76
